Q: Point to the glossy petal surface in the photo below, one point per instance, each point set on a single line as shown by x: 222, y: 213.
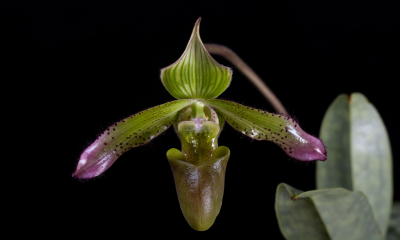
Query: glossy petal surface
x: 196, y: 74
x: 261, y: 125
x: 359, y: 153
x: 131, y: 132
x: 200, y: 189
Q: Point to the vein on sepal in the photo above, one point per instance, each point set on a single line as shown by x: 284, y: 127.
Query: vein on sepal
x: 196, y: 74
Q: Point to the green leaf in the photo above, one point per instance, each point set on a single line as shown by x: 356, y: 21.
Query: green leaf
x: 359, y: 153
x: 261, y: 125
x: 335, y: 214
x: 196, y: 74
x: 335, y: 132
x: 131, y: 132
x: 394, y: 224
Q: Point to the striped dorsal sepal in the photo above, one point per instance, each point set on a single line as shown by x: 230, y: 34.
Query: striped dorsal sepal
x: 196, y: 74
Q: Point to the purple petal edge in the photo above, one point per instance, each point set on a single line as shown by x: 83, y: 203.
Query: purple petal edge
x: 311, y: 149
x: 90, y: 164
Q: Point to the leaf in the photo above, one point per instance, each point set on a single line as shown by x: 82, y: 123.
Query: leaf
x: 262, y: 125
x: 131, y: 132
x: 196, y: 74
x: 335, y: 132
x: 334, y: 213
x: 394, y: 224
x: 359, y: 153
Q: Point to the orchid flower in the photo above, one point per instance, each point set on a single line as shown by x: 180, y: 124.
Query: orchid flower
x: 196, y: 79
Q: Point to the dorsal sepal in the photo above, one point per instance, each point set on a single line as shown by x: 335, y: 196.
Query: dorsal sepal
x: 196, y: 74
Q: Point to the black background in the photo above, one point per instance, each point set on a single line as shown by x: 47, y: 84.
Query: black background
x: 87, y: 65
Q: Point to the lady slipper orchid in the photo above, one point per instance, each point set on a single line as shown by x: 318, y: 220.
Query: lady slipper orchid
x: 196, y: 79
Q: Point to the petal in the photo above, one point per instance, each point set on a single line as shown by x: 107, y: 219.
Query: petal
x: 196, y: 74
x: 261, y: 125
x: 131, y: 132
x: 200, y: 189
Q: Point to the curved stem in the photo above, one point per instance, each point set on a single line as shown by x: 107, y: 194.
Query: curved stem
x: 248, y: 72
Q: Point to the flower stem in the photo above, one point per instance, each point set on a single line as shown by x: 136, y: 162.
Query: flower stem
x: 248, y: 72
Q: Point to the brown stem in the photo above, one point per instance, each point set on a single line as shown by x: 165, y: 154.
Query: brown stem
x: 248, y: 72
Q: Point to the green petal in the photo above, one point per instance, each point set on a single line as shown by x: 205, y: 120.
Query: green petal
x: 196, y: 74
x: 199, y: 188
x: 131, y: 132
x: 359, y: 153
x: 331, y: 214
x: 261, y: 125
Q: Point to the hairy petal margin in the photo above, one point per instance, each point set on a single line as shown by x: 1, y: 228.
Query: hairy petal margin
x: 280, y: 129
x: 131, y: 132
